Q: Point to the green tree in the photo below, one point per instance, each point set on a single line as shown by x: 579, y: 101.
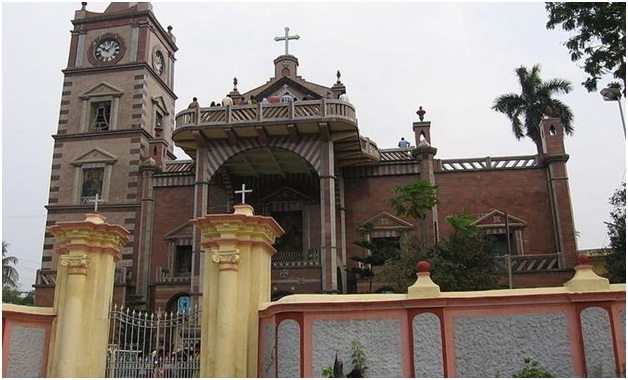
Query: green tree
x: 597, y: 34
x: 17, y: 297
x: 10, y: 276
x: 616, y: 261
x: 462, y: 261
x: 376, y: 257
x: 526, y: 110
x: 414, y: 200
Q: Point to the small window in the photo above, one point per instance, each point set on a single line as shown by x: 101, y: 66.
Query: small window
x: 182, y: 260
x: 159, y: 119
x: 500, y: 244
x: 100, y: 116
x: 92, y: 184
x: 387, y: 246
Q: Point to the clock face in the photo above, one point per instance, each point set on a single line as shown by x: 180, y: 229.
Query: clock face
x: 107, y: 50
x: 158, y: 62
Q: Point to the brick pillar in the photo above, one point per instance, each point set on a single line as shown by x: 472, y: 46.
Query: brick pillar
x: 144, y: 235
x: 424, y: 154
x: 553, y: 156
x: 85, y: 276
x: 236, y: 282
x: 328, y: 219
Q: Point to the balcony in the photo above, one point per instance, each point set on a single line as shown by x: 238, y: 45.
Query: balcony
x: 330, y: 119
x: 163, y: 276
x: 297, y: 259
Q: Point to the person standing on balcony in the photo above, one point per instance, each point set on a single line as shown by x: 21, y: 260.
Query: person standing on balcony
x: 194, y: 103
x: 227, y: 101
x: 286, y: 97
x: 403, y: 143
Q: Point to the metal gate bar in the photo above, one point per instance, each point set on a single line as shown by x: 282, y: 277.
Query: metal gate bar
x: 143, y: 344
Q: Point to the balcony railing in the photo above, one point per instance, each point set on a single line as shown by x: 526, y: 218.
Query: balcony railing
x: 531, y: 263
x: 286, y: 111
x: 296, y: 259
x: 487, y: 163
x: 164, y: 276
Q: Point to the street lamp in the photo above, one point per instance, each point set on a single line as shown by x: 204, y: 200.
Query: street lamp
x: 611, y: 93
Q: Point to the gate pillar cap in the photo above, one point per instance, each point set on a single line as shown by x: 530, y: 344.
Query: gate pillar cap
x: 243, y: 209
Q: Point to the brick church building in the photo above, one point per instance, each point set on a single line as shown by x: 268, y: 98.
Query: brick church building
x: 305, y: 161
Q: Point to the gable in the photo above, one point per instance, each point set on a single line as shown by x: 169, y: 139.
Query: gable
x: 385, y: 221
x: 498, y: 218
x: 102, y: 89
x: 161, y: 104
x: 95, y: 155
x: 184, y: 231
x: 286, y: 194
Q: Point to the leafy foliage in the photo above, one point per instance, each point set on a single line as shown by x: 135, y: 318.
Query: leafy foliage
x: 526, y: 110
x: 379, y: 253
x: 616, y: 261
x: 414, y: 199
x: 532, y: 369
x: 598, y: 34
x: 17, y: 297
x: 10, y: 275
x: 358, y: 361
x: 462, y: 261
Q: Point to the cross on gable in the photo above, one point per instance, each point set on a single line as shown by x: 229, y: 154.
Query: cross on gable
x: 243, y: 192
x: 286, y: 38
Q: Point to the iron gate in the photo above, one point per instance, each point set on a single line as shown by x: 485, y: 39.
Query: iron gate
x: 143, y: 344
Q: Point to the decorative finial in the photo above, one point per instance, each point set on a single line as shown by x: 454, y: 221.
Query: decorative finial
x: 421, y: 113
x: 423, y: 267
x: 338, y: 76
x: 83, y: 5
x: 169, y: 29
x: 235, y: 84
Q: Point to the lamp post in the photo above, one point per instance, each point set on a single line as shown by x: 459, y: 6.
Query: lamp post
x: 611, y: 93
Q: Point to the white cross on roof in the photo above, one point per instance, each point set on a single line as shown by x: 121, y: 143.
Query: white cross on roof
x: 287, y: 38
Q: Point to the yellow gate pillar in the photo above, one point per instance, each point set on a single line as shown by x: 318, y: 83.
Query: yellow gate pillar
x: 89, y: 251
x: 236, y: 280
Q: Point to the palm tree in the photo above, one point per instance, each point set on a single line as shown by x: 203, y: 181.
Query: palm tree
x: 10, y: 276
x: 526, y: 110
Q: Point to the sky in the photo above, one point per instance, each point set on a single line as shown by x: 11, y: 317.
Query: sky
x: 453, y: 59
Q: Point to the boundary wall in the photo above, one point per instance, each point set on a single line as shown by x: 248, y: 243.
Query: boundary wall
x: 26, y: 334
x: 454, y: 334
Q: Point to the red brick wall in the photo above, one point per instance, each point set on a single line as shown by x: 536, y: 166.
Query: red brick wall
x: 521, y: 193
x: 173, y: 208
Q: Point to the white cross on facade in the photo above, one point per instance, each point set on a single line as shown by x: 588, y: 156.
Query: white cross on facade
x: 287, y: 38
x: 243, y: 192
x: 96, y: 199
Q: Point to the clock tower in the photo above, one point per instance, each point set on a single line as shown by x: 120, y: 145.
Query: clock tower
x: 115, y: 129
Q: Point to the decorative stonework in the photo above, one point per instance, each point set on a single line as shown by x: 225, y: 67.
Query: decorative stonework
x: 226, y: 259
x: 76, y: 264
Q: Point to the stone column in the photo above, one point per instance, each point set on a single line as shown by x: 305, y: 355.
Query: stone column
x: 85, y: 277
x: 236, y: 282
